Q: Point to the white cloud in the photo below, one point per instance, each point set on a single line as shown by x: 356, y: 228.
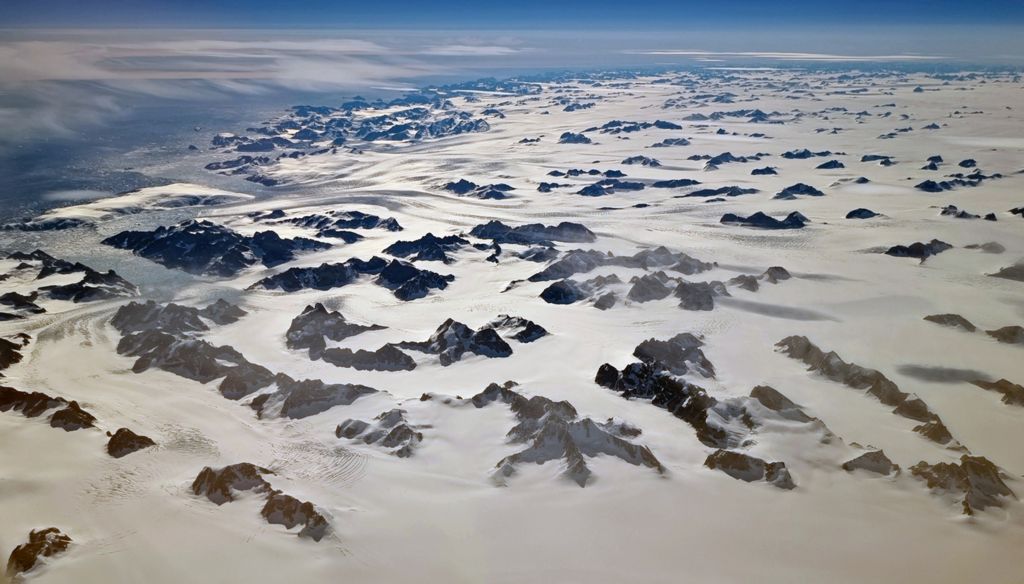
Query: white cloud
x: 470, y: 51
x: 64, y: 81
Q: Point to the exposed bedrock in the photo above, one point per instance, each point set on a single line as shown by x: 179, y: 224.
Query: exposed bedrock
x: 221, y: 485
x: 831, y: 366
x: 42, y: 543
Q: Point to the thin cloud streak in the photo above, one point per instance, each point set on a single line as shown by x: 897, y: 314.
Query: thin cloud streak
x: 782, y: 56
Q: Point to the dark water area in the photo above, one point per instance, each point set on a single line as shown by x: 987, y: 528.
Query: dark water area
x: 145, y: 144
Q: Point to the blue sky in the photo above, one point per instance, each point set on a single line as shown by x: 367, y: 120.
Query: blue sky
x: 533, y: 14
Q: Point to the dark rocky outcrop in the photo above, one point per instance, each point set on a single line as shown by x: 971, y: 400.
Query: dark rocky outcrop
x: 311, y: 329
x: 30, y: 404
x: 564, y: 292
x: 921, y: 251
x: 220, y: 486
x: 533, y: 233
x: 679, y: 355
x: 772, y: 275
x: 1013, y: 334
x: 124, y: 442
x: 42, y: 543
x: 195, y: 359
x: 730, y: 191
x: 831, y: 366
x: 173, y: 318
x: 322, y: 277
x: 952, y: 320
x: 582, y: 261
x: 69, y: 417
x: 774, y: 400
x: 161, y: 336
x: 554, y: 431
x: 653, y: 381
x: 463, y: 187
x: 875, y: 461
x: 875, y: 158
x: 517, y: 328
x: 1013, y: 394
x: 332, y: 222
x: 794, y: 220
x: 650, y: 287
x: 390, y: 430
x: 1014, y: 272
x: 308, y: 397
x: 428, y: 248
x: 675, y: 183
x: 830, y: 165
x: 406, y: 281
x: 23, y: 303
x: 72, y: 417
x: 571, y: 138
x: 799, y: 189
x: 93, y: 286
x: 987, y: 247
x: 202, y: 247
x: 975, y: 481
x: 222, y: 312
x: 642, y: 161
x: 386, y: 358
x: 954, y: 181
x: 169, y: 318
x: 954, y: 211
x: 699, y: 295
x: 286, y: 510
x: 804, y: 154
x: 453, y: 339
x: 671, y: 142
x: 861, y: 213
x: 748, y: 468
x: 10, y: 349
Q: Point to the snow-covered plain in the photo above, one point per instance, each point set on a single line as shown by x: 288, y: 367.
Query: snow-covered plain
x: 439, y: 515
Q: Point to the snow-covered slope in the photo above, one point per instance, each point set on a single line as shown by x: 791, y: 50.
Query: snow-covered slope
x: 625, y: 449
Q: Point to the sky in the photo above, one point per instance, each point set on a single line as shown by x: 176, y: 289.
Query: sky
x: 69, y: 64
x: 531, y: 14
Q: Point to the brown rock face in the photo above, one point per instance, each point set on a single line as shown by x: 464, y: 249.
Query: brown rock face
x: 217, y: 485
x: 390, y: 429
x: 748, y: 468
x: 953, y: 320
x: 1013, y: 335
x: 881, y: 387
x: 774, y: 400
x: 10, y: 349
x: 72, y: 418
x: 29, y: 404
x: 41, y: 543
x: 125, y: 442
x: 875, y: 461
x: 281, y: 509
x: 1013, y: 394
x: 975, y: 479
